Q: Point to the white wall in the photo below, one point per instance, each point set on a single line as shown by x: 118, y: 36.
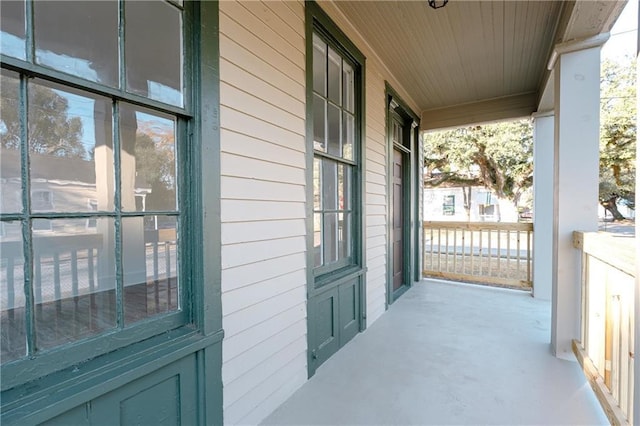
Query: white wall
x: 263, y: 206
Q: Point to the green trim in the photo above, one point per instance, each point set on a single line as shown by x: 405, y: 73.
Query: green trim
x: 317, y: 20
x: 396, y: 107
x: 50, y: 396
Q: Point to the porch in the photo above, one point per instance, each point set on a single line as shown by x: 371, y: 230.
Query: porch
x: 449, y: 353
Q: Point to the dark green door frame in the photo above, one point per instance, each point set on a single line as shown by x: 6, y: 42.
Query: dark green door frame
x: 397, y: 109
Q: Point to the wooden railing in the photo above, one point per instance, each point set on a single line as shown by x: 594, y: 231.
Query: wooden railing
x: 483, y: 252
x: 607, y: 325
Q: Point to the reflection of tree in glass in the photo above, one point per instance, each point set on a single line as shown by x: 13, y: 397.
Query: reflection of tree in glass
x: 51, y: 131
x: 155, y: 163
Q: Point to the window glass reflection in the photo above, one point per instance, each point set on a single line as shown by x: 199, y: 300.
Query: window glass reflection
x: 333, y: 130
x: 348, y: 135
x: 74, y: 280
x: 319, y: 123
x: 12, y: 301
x: 319, y: 65
x: 334, y: 78
x: 79, y: 38
x: 10, y: 134
x: 153, y: 50
x: 317, y: 239
x: 70, y: 150
x: 348, y: 86
x: 148, y: 160
x: 150, y: 249
x: 12, y: 32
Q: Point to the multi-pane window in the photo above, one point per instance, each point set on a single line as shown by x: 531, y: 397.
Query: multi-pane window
x: 92, y: 125
x: 449, y: 205
x: 335, y: 156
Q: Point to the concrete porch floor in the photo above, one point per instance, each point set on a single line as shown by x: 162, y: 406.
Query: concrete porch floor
x: 448, y: 353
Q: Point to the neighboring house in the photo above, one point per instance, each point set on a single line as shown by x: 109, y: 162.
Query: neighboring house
x: 296, y: 211
x: 445, y: 203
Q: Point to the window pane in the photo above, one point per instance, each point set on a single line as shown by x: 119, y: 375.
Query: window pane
x: 79, y: 38
x: 334, y: 130
x: 319, y: 118
x: 74, y: 280
x: 12, y: 34
x: 10, y: 131
x: 348, y: 135
x: 334, y: 78
x: 348, y: 84
x: 330, y: 238
x: 12, y: 314
x: 70, y: 149
x: 344, y: 187
x: 317, y: 184
x: 148, y: 160
x: 150, y: 249
x: 319, y: 65
x: 344, y: 235
x: 329, y: 185
x: 317, y: 239
x: 153, y: 50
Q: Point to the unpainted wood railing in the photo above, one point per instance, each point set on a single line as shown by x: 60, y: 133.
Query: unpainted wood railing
x: 482, y: 252
x: 605, y: 350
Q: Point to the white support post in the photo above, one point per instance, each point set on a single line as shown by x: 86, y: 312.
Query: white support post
x: 543, y: 160
x: 576, y: 145
x: 636, y: 359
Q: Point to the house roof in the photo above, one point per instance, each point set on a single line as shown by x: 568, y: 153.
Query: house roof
x: 50, y: 168
x: 474, y: 61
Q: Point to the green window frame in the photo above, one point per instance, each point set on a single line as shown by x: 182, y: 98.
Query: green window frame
x: 126, y: 99
x: 335, y: 100
x: 449, y: 205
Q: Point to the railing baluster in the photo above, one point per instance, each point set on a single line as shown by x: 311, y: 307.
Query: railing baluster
x: 455, y: 250
x: 490, y: 237
x: 446, y: 253
x: 471, y: 250
x: 37, y: 282
x: 167, y: 268
x: 518, y: 253
x: 480, y: 251
x: 439, y: 248
x: 92, y: 287
x: 11, y: 291
x: 508, y: 252
x: 155, y: 276
x: 431, y: 252
x: 499, y: 253
x: 56, y: 282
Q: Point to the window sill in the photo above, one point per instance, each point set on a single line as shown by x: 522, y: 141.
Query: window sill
x: 78, y: 384
x: 332, y: 279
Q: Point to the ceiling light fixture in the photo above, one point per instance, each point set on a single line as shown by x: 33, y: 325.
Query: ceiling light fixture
x: 437, y: 4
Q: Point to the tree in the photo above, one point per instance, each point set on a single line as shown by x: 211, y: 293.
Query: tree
x: 497, y: 156
x: 617, y: 135
x: 51, y: 130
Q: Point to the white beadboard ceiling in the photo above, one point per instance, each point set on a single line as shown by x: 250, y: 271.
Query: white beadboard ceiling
x: 474, y: 60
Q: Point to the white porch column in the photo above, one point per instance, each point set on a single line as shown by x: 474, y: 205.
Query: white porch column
x: 576, y: 68
x: 543, y: 154
x: 636, y: 361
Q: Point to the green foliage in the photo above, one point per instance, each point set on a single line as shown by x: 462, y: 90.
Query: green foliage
x: 617, y: 134
x: 51, y: 130
x: 497, y: 156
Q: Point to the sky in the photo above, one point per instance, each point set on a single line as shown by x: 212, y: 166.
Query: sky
x: 624, y: 36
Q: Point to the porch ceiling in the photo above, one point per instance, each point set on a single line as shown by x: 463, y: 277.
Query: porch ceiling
x: 474, y: 61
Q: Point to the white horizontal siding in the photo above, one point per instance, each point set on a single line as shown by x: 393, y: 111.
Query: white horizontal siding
x: 262, y: 116
x: 263, y: 202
